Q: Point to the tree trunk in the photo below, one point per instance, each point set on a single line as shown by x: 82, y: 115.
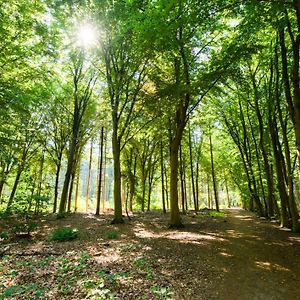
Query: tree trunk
x: 257, y: 152
x: 144, y: 176
x: 2, y: 182
x: 162, y: 178
x: 14, y: 189
x: 280, y: 177
x: 150, y: 181
x: 77, y: 188
x: 192, y: 171
x: 71, y: 191
x: 227, y: 194
x: 104, y: 174
x: 39, y: 189
x: 175, y: 220
x: 208, y: 192
x: 89, y: 179
x: 167, y: 187
x: 267, y: 169
x: 118, y: 219
x: 213, y: 175
x: 58, y: 167
x: 182, y: 181
x: 197, y: 185
x: 70, y: 166
x: 100, y: 171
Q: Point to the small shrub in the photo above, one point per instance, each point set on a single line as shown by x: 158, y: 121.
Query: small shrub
x: 4, y: 235
x: 25, y: 228
x: 64, y: 234
x: 161, y: 292
x: 111, y: 235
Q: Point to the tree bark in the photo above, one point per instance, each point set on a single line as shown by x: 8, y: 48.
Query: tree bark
x: 77, y: 188
x: 267, y: 169
x: 227, y: 194
x: 89, y: 179
x: 162, y: 178
x: 213, y: 174
x: 182, y: 181
x: 100, y: 171
x: 58, y: 167
x: 192, y: 171
x: 175, y: 220
x: 118, y: 219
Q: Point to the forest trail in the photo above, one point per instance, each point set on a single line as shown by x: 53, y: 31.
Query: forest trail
x: 257, y: 259
x: 234, y: 257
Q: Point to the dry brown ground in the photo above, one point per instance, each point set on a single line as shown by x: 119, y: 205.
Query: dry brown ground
x: 234, y: 257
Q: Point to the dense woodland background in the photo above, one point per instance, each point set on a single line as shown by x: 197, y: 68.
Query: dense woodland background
x: 139, y: 105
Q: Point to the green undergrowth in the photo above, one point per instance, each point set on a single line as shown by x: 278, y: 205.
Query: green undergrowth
x: 212, y: 213
x: 64, y: 234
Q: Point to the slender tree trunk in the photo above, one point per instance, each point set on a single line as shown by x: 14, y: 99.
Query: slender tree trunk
x: 2, y: 182
x: 182, y: 181
x: 280, y: 177
x: 71, y: 191
x: 208, y: 192
x: 227, y: 194
x: 100, y: 171
x: 185, y: 184
x: 104, y: 175
x: 270, y: 197
x: 144, y: 176
x: 150, y: 180
x: 117, y: 173
x: 14, y: 189
x: 77, y: 188
x: 292, y: 99
x: 70, y: 165
x: 192, y: 171
x: 213, y: 174
x: 39, y: 189
x: 289, y: 174
x: 132, y: 184
x: 58, y: 167
x: 257, y: 153
x: 167, y: 187
x: 162, y: 177
x: 89, y: 179
x: 197, y: 185
x: 175, y: 220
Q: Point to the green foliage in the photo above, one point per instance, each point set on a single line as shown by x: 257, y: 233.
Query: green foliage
x: 99, y: 292
x: 161, y: 292
x: 211, y: 213
x: 25, y: 228
x: 143, y: 264
x: 111, y: 277
x: 4, y: 235
x: 112, y: 235
x: 15, y: 290
x: 64, y: 234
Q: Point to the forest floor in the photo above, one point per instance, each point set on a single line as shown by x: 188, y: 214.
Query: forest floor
x: 235, y: 256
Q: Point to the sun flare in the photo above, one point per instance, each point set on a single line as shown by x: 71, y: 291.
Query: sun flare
x: 87, y: 35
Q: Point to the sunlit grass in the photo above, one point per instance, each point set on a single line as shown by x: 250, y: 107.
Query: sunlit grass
x: 213, y: 213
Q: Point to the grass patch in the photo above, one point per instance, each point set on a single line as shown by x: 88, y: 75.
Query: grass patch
x: 212, y: 213
x: 64, y: 234
x: 111, y: 235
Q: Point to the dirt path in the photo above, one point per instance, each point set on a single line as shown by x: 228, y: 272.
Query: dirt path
x: 237, y: 257
x: 258, y: 260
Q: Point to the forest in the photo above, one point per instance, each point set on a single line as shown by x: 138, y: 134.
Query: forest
x: 179, y: 118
